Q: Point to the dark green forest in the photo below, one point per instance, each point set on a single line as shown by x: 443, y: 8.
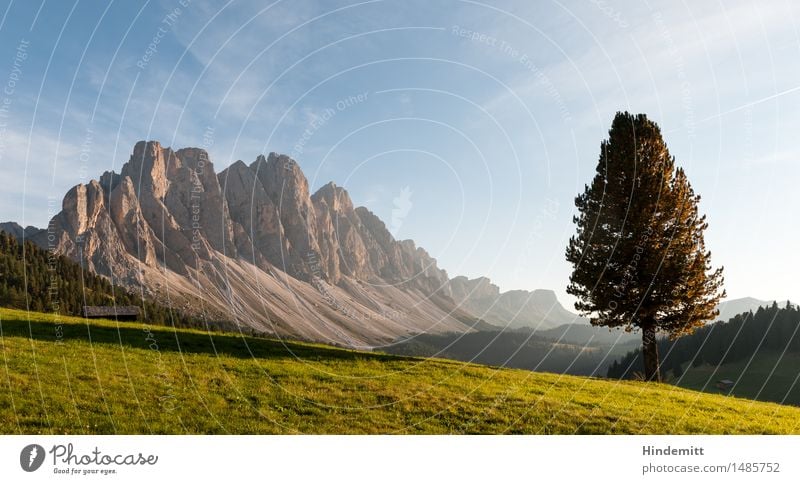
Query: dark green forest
x: 771, y: 329
x: 34, y: 279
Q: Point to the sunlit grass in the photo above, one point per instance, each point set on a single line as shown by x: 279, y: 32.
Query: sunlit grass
x: 62, y: 375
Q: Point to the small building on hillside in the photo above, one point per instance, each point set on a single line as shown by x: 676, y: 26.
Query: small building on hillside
x: 120, y: 313
x: 725, y: 384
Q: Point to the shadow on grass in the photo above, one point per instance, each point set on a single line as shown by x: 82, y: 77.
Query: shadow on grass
x: 176, y: 340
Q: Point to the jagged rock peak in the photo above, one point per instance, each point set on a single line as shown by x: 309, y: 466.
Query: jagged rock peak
x: 142, y: 147
x: 109, y: 181
x: 238, y: 165
x: 148, y: 166
x: 280, y: 174
x: 334, y: 196
x: 279, y: 164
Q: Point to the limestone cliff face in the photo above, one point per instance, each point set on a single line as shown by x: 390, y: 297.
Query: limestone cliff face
x: 257, y: 229
x: 342, y: 237
x: 86, y: 229
x: 135, y: 234
x: 147, y: 169
x: 206, y: 205
x: 287, y: 187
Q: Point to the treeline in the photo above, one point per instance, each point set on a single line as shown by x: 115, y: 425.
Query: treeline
x: 32, y: 278
x: 768, y: 329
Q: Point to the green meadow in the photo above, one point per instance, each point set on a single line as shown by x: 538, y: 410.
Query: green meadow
x: 66, y: 375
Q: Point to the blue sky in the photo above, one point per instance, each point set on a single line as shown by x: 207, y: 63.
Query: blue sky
x: 466, y: 126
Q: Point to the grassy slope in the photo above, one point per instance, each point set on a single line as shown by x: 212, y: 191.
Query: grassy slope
x: 131, y: 378
x: 770, y: 376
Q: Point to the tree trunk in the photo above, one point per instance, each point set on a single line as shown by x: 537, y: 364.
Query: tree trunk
x: 650, y: 355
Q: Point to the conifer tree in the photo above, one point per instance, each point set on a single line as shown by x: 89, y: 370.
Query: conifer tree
x: 639, y: 257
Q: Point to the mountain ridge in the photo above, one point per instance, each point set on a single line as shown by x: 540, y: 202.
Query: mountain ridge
x: 260, y: 249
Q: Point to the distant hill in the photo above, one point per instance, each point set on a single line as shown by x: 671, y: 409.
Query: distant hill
x: 569, y: 349
x: 18, y: 231
x: 731, y: 307
x: 586, y: 334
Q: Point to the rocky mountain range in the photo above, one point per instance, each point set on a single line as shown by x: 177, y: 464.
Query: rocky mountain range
x: 251, y: 244
x: 539, y: 309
